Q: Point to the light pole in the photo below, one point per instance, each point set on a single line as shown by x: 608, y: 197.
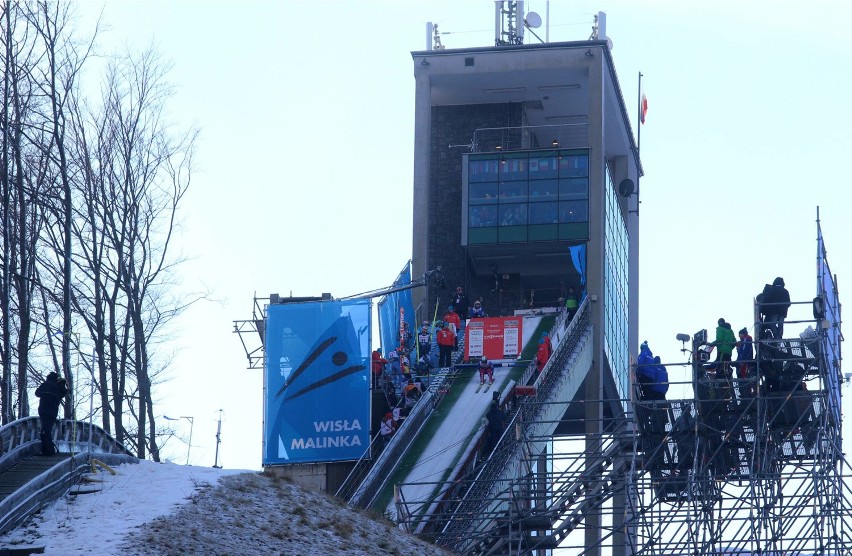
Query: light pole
x: 218, y: 441
x: 191, y: 425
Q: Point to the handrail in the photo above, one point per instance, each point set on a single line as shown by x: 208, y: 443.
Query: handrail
x: 21, y: 433
x: 20, y: 440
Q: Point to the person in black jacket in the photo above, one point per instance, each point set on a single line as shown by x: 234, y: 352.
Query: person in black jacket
x: 774, y: 303
x: 50, y: 394
x: 461, y: 303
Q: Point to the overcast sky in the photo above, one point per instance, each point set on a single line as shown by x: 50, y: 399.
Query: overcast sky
x: 304, y: 163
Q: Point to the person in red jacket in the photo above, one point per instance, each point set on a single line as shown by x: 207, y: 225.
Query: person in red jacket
x: 486, y: 367
x: 452, y: 318
x: 379, y: 363
x: 446, y: 344
x: 545, y: 349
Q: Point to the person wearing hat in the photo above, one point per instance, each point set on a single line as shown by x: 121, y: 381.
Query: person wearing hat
x: 446, y: 343
x: 724, y: 344
x: 461, y: 303
x: 477, y: 311
x: 378, y: 366
x: 387, y: 428
x: 50, y: 394
x: 424, y: 341
x: 452, y: 318
x: 774, y: 303
x: 745, y: 365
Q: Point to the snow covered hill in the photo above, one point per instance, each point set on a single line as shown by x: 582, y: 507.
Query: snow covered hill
x: 166, y: 509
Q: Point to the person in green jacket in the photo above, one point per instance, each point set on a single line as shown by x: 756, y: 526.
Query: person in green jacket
x: 725, y: 342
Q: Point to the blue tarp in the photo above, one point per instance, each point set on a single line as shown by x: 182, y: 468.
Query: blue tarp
x: 827, y: 290
x: 578, y: 257
x: 317, y: 381
x: 389, y: 311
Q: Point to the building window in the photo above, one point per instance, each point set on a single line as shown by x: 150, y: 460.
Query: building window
x: 616, y: 260
x: 528, y: 196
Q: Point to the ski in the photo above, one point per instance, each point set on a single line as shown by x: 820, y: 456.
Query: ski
x: 488, y: 386
x: 478, y: 388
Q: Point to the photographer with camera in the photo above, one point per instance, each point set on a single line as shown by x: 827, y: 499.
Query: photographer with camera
x: 50, y: 394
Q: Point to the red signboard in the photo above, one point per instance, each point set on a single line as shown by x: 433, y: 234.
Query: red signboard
x: 494, y: 337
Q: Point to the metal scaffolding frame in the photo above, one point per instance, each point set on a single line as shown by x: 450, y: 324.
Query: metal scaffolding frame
x: 760, y: 471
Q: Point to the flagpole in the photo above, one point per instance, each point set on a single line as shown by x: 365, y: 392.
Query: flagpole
x: 639, y: 118
x: 638, y: 137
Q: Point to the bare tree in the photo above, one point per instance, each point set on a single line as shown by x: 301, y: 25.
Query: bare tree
x: 136, y: 174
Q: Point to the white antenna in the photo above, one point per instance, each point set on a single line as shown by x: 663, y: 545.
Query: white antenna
x: 436, y: 39
x: 428, y: 35
x: 508, y: 22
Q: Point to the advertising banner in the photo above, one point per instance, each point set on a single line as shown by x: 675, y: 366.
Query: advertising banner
x: 317, y: 382
x: 494, y: 337
x: 393, y: 309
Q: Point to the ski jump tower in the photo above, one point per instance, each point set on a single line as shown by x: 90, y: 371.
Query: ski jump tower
x: 525, y: 184
x: 526, y: 178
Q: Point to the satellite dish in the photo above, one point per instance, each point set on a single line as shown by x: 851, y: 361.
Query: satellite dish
x: 533, y: 20
x: 609, y: 43
x: 626, y: 187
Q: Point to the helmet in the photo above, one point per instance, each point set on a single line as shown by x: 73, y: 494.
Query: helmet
x: 450, y: 308
x: 484, y: 359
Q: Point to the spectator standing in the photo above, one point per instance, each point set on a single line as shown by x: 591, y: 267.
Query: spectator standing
x: 404, y: 336
x: 684, y: 433
x: 424, y: 341
x: 378, y: 366
x: 545, y: 350
x: 395, y: 368
x: 452, y: 318
x: 774, y: 303
x: 745, y: 365
x: 494, y: 427
x: 461, y: 303
x: 446, y: 343
x: 51, y: 392
x: 724, y: 344
x: 572, y: 302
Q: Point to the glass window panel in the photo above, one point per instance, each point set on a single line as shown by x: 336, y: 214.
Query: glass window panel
x: 543, y: 232
x: 482, y: 216
x: 543, y: 190
x: 574, y: 188
x: 482, y: 192
x: 482, y: 235
x: 513, y: 215
x: 574, y: 165
x: 574, y: 230
x: 543, y: 167
x: 513, y: 169
x: 573, y: 211
x: 543, y: 213
x: 482, y: 170
x: 509, y: 234
x: 513, y: 191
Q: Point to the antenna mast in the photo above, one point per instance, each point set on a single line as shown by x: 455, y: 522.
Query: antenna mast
x: 508, y: 22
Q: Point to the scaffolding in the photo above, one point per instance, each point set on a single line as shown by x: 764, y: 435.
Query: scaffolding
x: 751, y: 462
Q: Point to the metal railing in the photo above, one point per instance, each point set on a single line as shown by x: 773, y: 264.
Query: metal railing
x: 520, y: 138
x: 21, y: 440
x: 475, y: 512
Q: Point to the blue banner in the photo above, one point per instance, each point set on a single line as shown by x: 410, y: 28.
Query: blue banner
x: 832, y: 335
x: 389, y: 312
x: 317, y: 382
